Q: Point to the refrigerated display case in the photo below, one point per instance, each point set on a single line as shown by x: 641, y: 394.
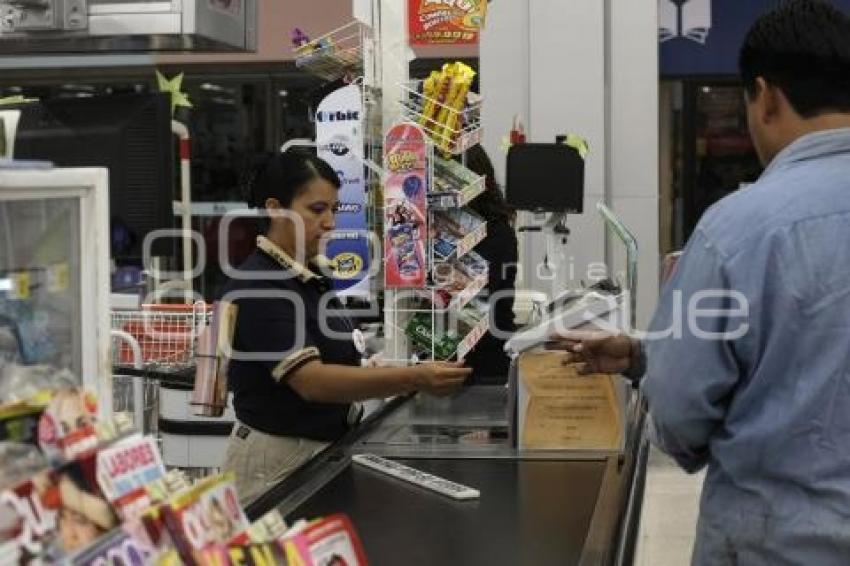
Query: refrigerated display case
x: 54, y: 272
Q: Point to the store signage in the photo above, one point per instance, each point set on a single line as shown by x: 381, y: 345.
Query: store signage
x: 445, y: 21
x: 690, y: 19
x: 703, y: 37
x: 405, y: 206
x: 339, y: 136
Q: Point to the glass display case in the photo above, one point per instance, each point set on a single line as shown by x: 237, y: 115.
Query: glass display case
x: 54, y: 272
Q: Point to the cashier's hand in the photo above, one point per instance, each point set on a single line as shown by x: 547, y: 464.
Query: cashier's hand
x: 597, y: 352
x: 440, y: 378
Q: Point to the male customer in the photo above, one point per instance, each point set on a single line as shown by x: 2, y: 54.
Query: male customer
x: 759, y: 390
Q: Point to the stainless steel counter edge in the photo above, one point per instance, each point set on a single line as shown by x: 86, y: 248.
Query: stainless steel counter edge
x: 613, y: 526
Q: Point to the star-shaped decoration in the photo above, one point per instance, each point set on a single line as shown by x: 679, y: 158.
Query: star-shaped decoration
x: 174, y: 87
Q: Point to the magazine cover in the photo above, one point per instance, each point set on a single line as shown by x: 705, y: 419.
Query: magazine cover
x: 32, y: 525
x: 67, y: 426
x: 206, y: 514
x: 334, y: 542
x: 123, y: 471
x: 117, y: 547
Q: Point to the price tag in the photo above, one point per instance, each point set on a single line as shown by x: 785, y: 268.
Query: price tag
x: 57, y: 278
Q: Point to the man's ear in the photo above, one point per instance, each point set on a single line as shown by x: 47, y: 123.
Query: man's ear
x: 768, y: 100
x: 272, y: 203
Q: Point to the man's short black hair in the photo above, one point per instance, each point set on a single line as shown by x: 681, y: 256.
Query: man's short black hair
x: 803, y: 48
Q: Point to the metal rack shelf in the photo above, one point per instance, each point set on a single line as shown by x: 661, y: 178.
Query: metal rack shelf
x: 459, y: 196
x: 466, y: 243
x: 454, y: 140
x: 337, y: 54
x: 468, y: 343
x: 459, y: 299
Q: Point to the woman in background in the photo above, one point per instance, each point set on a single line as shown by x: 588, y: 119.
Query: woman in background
x: 488, y: 360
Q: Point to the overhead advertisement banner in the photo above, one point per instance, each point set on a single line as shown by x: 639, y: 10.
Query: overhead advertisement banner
x: 445, y: 21
x: 703, y: 37
x: 339, y: 136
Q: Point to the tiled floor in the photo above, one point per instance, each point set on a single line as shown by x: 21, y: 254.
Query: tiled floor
x: 669, y: 516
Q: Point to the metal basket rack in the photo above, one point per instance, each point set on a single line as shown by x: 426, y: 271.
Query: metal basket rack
x: 160, y: 337
x: 166, y: 334
x: 454, y: 140
x: 337, y: 54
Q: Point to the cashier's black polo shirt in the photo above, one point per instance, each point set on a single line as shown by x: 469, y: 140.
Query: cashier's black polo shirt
x: 270, y: 322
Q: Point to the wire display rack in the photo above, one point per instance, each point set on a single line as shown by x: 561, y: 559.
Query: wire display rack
x: 456, y: 139
x: 155, y: 337
x: 166, y: 334
x: 338, y: 54
x: 428, y: 323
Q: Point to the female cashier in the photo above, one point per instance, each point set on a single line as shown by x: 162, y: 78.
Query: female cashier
x: 294, y: 370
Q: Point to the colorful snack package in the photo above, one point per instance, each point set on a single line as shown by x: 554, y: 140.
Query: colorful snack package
x: 455, y: 105
x: 449, y: 117
x: 431, y: 109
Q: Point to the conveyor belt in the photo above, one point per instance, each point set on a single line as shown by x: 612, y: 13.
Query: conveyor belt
x: 531, y: 512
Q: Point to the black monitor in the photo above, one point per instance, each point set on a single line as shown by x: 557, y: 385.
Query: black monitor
x: 128, y: 133
x: 546, y: 177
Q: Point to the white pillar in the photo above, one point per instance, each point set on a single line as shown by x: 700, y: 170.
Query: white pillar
x: 633, y: 161
x: 587, y: 67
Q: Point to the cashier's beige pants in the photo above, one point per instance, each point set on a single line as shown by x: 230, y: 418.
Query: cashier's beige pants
x: 261, y: 460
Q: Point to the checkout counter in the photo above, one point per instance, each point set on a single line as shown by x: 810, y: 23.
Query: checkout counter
x: 536, y: 507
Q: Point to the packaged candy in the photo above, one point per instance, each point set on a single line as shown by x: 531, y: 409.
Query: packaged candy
x: 419, y: 330
x: 473, y: 265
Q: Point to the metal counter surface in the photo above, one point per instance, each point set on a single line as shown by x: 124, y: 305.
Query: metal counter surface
x: 536, y: 508
x: 530, y: 512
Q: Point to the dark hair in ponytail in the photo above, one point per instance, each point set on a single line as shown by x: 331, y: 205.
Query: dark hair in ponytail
x: 283, y: 176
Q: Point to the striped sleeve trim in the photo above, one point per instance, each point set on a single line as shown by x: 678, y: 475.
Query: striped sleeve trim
x: 294, y: 361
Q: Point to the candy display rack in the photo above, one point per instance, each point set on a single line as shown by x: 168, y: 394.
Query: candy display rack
x: 445, y: 318
x: 451, y: 139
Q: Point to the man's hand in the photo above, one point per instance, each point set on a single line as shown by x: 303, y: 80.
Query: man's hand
x: 597, y: 352
x: 440, y: 378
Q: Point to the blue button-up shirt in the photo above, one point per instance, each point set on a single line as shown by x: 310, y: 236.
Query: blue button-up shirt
x: 759, y: 389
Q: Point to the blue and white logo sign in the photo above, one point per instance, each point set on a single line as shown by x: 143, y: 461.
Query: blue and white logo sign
x: 339, y: 136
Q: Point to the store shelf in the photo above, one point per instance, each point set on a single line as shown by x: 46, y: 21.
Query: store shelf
x: 459, y: 298
x: 454, y: 140
x: 456, y: 198
x: 337, y: 54
x: 468, y: 343
x: 466, y: 241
